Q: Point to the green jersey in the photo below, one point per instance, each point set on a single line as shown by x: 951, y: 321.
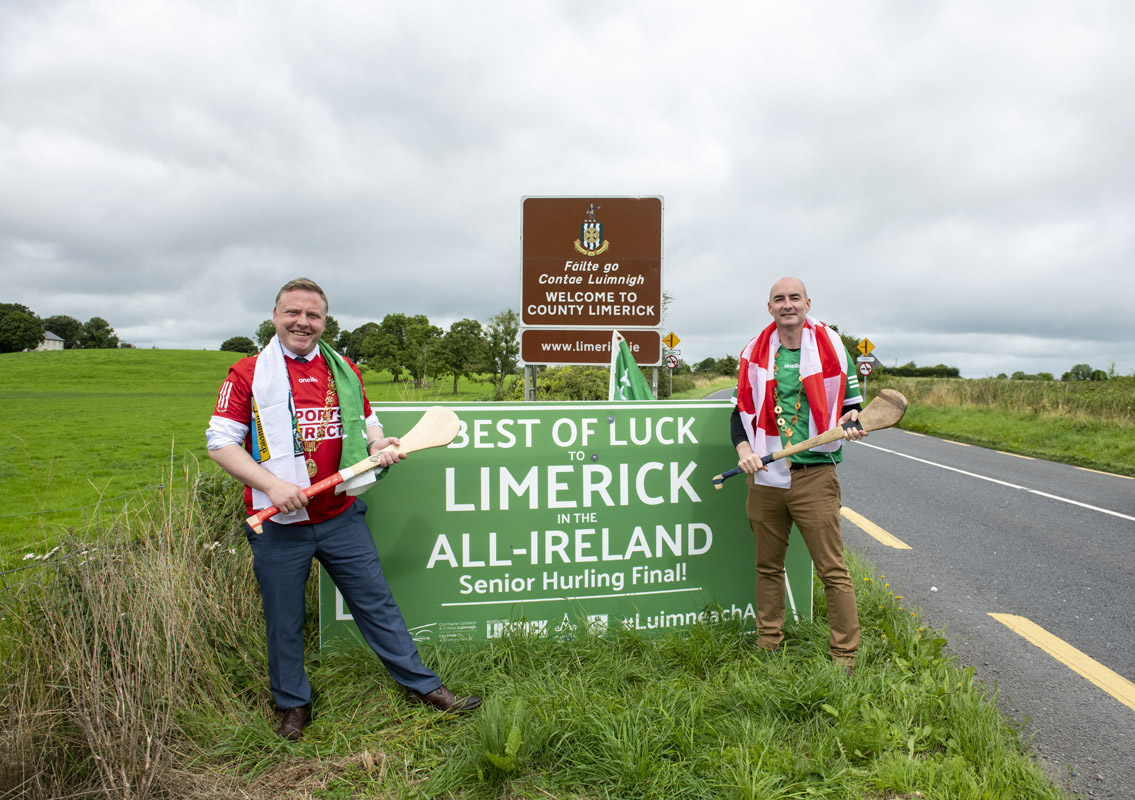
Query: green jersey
x: 790, y: 391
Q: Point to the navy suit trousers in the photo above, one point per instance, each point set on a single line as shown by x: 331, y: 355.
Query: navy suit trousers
x: 281, y: 559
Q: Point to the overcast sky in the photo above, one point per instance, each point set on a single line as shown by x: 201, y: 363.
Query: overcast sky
x: 954, y: 181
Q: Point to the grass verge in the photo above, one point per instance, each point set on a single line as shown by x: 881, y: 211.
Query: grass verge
x: 1095, y: 445
x: 704, y: 386
x: 134, y: 668
x: 1088, y: 425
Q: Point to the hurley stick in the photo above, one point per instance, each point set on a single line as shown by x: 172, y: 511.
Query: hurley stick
x: 437, y: 428
x: 885, y: 411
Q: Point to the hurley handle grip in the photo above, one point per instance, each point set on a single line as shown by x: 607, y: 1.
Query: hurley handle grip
x: 256, y: 521
x: 719, y: 480
x: 437, y: 428
x: 799, y: 447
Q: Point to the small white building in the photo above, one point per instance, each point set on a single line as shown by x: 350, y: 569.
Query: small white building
x: 50, y: 342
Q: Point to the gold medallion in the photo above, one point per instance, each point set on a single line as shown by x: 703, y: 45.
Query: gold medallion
x: 788, y: 432
x: 311, y: 468
x: 778, y: 410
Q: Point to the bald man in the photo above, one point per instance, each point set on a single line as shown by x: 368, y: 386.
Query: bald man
x: 794, y: 383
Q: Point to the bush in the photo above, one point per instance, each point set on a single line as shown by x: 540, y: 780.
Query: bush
x: 910, y: 370
x: 569, y: 382
x: 240, y: 344
x: 1084, y: 372
x: 680, y: 383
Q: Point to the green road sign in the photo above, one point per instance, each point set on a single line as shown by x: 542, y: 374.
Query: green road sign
x: 547, y: 519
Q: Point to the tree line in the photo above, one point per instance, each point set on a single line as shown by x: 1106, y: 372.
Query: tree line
x: 410, y: 346
x: 412, y: 349
x: 22, y: 329
x: 728, y: 365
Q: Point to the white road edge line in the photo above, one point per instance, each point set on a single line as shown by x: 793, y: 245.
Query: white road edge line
x: 1002, y: 483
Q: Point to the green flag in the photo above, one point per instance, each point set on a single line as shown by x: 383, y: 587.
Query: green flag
x: 627, y: 382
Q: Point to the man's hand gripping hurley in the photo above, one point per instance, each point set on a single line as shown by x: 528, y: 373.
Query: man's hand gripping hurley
x: 885, y: 411
x: 437, y: 428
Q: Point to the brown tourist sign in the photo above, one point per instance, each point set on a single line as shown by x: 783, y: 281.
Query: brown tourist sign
x: 591, y: 262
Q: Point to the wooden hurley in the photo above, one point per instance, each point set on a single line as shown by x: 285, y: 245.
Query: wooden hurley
x: 437, y: 428
x: 885, y: 411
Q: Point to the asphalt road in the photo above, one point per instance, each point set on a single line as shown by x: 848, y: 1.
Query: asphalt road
x: 993, y: 533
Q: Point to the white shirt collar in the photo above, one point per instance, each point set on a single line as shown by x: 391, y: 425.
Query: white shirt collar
x: 314, y: 354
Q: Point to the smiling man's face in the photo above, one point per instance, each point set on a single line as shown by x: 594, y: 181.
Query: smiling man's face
x: 300, y: 317
x: 788, y: 303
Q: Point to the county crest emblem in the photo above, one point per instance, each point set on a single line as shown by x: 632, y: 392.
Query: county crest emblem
x: 591, y: 241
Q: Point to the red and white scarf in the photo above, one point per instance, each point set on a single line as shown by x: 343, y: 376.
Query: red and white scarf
x: 823, y: 370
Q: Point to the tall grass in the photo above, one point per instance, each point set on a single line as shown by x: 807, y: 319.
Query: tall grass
x: 1084, y: 423
x: 1111, y: 401
x: 134, y: 668
x: 115, y: 644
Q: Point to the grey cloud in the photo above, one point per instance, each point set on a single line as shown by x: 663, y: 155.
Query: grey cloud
x: 950, y: 178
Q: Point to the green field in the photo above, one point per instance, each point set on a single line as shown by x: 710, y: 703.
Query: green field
x: 91, y: 433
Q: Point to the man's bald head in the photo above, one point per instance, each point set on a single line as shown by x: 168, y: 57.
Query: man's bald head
x: 788, y: 285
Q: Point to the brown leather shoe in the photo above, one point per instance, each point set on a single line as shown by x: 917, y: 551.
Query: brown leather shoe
x: 295, y: 720
x: 444, y: 700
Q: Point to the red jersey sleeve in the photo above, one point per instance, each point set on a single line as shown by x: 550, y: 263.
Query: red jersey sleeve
x: 234, y: 398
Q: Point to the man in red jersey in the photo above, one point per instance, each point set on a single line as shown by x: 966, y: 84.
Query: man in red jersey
x: 285, y: 419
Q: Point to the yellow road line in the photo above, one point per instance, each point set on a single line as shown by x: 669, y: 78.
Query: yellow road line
x: 1112, y: 474
x: 1111, y: 682
x: 912, y: 433
x: 959, y: 444
x: 873, y: 530
x: 1016, y: 455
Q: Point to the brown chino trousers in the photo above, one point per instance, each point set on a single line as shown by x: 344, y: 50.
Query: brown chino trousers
x: 813, y: 503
